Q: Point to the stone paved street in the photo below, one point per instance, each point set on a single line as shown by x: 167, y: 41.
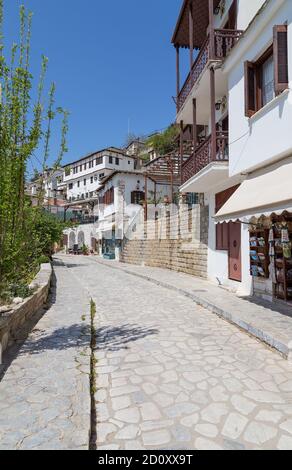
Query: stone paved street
x: 45, y: 394
x: 170, y: 374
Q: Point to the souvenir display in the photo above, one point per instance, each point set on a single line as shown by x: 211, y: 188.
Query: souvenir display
x: 259, y: 253
x: 283, y: 260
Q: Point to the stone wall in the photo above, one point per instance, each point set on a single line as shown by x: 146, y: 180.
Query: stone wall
x: 171, y: 242
x: 13, y: 320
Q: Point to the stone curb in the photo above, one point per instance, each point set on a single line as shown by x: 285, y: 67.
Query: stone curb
x: 13, y: 320
x: 283, y: 348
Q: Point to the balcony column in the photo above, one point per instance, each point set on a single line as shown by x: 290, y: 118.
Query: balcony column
x: 191, y: 34
x: 211, y: 30
x: 195, y: 134
x: 213, y: 114
x: 181, y: 149
x: 146, y: 198
x: 177, y: 73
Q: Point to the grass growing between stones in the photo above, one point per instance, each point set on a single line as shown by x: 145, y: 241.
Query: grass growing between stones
x: 93, y: 361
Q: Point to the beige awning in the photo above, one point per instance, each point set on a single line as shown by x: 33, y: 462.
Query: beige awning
x: 263, y: 193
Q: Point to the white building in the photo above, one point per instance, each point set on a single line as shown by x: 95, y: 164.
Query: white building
x: 82, y: 178
x: 239, y: 90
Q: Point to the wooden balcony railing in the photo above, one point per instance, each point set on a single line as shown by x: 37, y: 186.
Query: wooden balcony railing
x: 225, y: 39
x: 203, y: 155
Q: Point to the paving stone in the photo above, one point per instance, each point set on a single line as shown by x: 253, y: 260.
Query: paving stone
x: 156, y: 438
x: 285, y: 443
x: 129, y: 415
x: 128, y: 432
x: 208, y: 430
x: 258, y: 433
x: 214, y: 412
x: 269, y: 416
x: 287, y: 426
x: 205, y: 444
x: 243, y: 405
x: 234, y: 425
x: 119, y: 403
x: 150, y: 412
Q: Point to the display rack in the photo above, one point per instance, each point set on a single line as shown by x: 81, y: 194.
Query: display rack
x: 259, y: 253
x: 283, y: 265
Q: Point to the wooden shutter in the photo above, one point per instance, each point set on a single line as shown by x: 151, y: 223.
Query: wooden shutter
x: 250, y: 88
x: 281, y: 58
x: 232, y: 21
x: 222, y: 237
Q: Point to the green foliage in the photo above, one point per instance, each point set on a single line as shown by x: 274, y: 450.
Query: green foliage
x: 43, y: 259
x: 26, y: 233
x: 85, y: 250
x: 165, y: 142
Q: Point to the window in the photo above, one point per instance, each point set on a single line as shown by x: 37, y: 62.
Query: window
x: 99, y: 161
x: 91, y: 179
x: 129, y: 162
x: 85, y: 166
x: 101, y: 176
x: 78, y: 184
x: 117, y: 161
x: 268, y: 84
x: 109, y: 197
x: 84, y: 182
x: 75, y: 170
x: 110, y: 160
x: 91, y: 164
x: 70, y: 186
x: 80, y: 167
x: 137, y: 197
x: 268, y: 77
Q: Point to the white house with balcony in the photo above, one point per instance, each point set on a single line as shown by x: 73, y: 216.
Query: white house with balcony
x: 82, y: 178
x: 236, y: 99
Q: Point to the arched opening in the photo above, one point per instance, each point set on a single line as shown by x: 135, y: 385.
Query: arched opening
x: 81, y: 239
x: 72, y: 240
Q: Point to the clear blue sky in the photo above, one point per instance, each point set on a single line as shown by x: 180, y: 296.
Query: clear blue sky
x: 111, y: 60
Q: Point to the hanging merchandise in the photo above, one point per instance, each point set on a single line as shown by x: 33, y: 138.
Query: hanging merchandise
x: 287, y: 253
x: 285, y: 235
x: 271, y: 235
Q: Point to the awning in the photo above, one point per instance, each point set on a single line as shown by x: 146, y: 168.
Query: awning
x: 263, y: 193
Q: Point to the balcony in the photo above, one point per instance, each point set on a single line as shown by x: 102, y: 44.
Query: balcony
x: 203, y: 155
x: 224, y: 41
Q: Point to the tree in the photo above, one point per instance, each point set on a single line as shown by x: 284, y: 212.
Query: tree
x: 25, y: 125
x: 164, y: 142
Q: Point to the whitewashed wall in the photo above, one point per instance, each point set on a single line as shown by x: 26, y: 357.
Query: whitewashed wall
x: 266, y: 137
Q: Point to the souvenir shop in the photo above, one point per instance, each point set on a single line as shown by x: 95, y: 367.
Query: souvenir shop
x: 271, y: 255
x: 263, y: 206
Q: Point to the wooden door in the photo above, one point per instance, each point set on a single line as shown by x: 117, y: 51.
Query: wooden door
x: 234, y: 255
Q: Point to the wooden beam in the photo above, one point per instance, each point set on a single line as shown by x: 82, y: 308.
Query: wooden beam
x: 181, y: 149
x: 211, y: 30
x: 146, y: 197
x: 191, y: 33
x: 177, y: 74
x: 195, y: 134
x: 213, y: 114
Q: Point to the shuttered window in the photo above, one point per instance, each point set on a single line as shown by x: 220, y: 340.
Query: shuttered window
x: 250, y: 88
x: 268, y: 77
x: 280, y: 49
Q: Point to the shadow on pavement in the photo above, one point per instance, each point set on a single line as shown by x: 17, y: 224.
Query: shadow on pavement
x: 116, y: 338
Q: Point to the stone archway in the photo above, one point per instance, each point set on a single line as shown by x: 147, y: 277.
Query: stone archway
x: 72, y: 240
